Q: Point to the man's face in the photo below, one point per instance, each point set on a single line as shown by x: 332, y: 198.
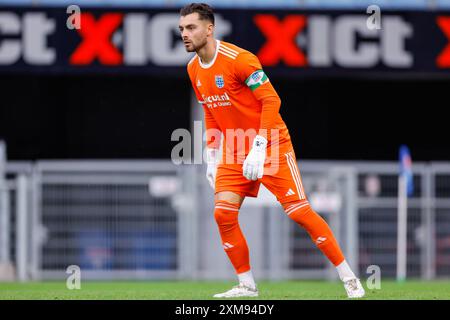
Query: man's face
x: 194, y: 31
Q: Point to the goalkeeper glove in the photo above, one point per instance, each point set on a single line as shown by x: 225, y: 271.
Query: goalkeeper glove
x: 253, y: 167
x: 212, y: 160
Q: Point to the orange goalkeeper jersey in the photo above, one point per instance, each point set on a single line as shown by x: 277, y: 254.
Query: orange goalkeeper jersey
x: 235, y: 94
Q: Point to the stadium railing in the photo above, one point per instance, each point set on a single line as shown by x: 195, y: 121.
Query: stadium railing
x: 153, y: 220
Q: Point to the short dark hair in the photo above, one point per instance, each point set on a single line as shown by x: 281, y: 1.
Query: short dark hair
x: 204, y: 11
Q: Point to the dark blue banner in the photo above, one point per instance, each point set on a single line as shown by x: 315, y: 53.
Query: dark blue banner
x: 288, y: 43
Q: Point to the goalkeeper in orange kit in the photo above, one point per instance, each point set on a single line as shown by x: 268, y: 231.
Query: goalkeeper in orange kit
x: 240, y: 103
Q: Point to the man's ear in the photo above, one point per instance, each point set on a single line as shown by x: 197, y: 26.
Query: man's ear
x: 210, y: 29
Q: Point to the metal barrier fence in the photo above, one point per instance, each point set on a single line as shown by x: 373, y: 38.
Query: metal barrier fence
x: 114, y: 220
x: 154, y: 220
x: 377, y: 220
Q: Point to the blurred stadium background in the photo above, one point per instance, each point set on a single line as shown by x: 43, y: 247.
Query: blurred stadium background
x: 87, y: 117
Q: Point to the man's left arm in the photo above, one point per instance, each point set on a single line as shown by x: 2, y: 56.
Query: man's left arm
x: 271, y: 103
x: 249, y: 69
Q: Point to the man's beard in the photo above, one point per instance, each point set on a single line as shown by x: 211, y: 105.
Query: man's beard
x: 196, y: 48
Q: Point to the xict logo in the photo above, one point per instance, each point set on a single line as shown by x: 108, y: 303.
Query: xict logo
x: 346, y: 40
x: 134, y: 39
x: 298, y: 40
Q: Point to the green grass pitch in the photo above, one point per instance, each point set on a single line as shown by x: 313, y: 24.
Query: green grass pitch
x: 203, y: 290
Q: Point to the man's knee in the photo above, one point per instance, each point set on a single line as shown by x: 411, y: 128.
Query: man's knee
x: 297, y: 210
x: 302, y: 213
x: 226, y: 213
x: 229, y: 196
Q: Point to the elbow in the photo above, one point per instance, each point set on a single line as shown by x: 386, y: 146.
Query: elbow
x: 274, y: 98
x: 274, y: 101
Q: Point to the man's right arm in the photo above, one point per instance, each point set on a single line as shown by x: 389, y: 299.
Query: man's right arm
x: 213, y: 137
x: 213, y: 132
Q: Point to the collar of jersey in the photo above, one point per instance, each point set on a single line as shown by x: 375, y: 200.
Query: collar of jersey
x: 206, y: 66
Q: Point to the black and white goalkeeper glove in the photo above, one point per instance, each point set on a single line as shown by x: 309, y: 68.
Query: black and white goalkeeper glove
x: 253, y: 168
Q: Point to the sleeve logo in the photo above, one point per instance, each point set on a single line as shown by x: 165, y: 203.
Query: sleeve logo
x: 256, y: 79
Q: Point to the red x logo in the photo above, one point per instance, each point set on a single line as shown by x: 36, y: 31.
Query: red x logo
x: 443, y: 60
x: 97, y: 40
x: 280, y: 36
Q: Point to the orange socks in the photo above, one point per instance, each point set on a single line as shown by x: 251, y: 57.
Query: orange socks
x: 235, y: 245
x: 317, y: 228
x: 233, y: 241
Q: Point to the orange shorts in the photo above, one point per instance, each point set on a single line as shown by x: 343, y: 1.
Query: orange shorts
x: 281, y: 177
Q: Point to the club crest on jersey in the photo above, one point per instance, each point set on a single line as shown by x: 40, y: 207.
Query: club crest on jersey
x: 219, y: 81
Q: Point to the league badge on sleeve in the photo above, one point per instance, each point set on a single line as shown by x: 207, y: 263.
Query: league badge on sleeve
x: 219, y: 81
x: 256, y: 79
